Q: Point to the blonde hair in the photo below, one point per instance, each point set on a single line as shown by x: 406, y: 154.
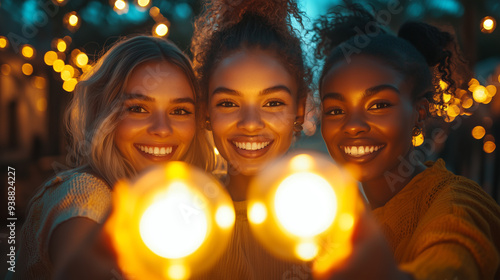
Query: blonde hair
x: 95, y: 110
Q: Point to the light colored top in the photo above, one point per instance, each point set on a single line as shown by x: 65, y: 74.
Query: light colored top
x: 247, y: 259
x: 443, y: 226
x: 69, y: 195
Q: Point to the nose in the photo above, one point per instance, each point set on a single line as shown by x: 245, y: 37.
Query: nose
x: 160, y: 125
x: 356, y: 125
x: 250, y: 119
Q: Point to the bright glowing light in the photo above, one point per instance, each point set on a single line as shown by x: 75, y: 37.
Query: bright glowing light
x: 27, y: 69
x: 58, y: 65
x: 491, y: 90
x: 50, y: 57
x: 73, y: 20
x: 28, y: 51
x: 468, y: 103
x: 479, y: 94
x: 6, y: 69
x: 82, y: 59
x: 453, y: 111
x: 418, y: 140
x: 120, y: 5
x: 305, y: 204
x: 446, y: 97
x: 478, y: 132
x: 3, y: 42
x: 306, y: 251
x: 190, y: 226
x: 70, y: 85
x: 488, y: 24
x: 143, y: 3
x: 346, y: 221
x: 216, y: 152
x: 67, y: 72
x: 154, y: 12
x: 257, y: 213
x: 161, y: 29
x: 61, y: 45
x: 177, y: 271
x: 489, y: 147
x: 301, y: 162
x: 224, y: 216
x: 443, y: 85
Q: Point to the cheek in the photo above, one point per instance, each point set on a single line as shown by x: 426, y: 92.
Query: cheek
x: 186, y: 130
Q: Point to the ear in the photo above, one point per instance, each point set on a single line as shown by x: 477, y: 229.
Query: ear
x: 422, y: 109
x: 301, y: 109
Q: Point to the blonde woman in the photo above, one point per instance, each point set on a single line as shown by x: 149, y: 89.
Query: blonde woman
x: 135, y: 108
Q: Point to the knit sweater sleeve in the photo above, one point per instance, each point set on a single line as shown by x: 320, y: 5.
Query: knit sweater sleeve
x: 457, y: 236
x: 65, y: 197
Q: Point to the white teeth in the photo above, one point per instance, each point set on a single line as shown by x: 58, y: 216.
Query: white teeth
x: 156, y: 151
x: 358, y: 151
x: 251, y: 146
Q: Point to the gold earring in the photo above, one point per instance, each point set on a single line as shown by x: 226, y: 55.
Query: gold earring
x: 208, y: 125
x: 417, y: 136
x: 297, y: 126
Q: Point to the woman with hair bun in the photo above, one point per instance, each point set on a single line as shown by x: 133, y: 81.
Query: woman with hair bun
x: 254, y: 82
x: 375, y: 98
x: 135, y: 108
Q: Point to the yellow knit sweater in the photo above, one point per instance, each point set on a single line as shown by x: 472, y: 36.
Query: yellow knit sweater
x: 443, y: 226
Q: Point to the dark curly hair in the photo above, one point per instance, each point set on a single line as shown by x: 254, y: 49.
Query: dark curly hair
x: 226, y: 26
x: 428, y: 57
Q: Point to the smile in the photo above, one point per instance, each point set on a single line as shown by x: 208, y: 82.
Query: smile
x: 359, y: 151
x: 251, y: 146
x: 155, y: 151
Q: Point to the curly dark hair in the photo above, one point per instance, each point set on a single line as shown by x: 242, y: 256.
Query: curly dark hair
x: 226, y: 26
x: 427, y: 56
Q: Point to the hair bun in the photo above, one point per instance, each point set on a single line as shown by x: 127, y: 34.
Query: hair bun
x: 428, y: 40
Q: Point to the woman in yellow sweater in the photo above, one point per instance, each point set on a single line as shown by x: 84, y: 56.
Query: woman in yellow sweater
x: 376, y: 91
x: 252, y: 75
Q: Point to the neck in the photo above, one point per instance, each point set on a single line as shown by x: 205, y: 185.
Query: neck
x: 380, y: 190
x: 237, y: 186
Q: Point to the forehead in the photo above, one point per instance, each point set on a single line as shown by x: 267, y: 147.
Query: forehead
x: 251, y: 70
x: 361, y: 73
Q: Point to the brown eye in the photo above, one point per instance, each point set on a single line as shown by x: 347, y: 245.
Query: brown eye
x: 181, y: 111
x: 336, y: 111
x: 226, y: 104
x: 137, y: 109
x: 380, y: 105
x: 274, y: 103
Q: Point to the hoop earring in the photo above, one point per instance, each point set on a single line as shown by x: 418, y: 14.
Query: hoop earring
x: 417, y: 136
x: 208, y: 125
x: 297, y: 126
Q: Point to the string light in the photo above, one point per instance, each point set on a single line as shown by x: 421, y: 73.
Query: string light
x: 81, y: 59
x: 489, y: 147
x: 27, y: 69
x: 160, y: 29
x: 70, y: 85
x: 28, y: 51
x: 120, y: 6
x: 478, y: 132
x: 3, y: 42
x: 71, y: 21
x: 143, y: 3
x: 61, y: 45
x: 58, y: 65
x: 488, y: 24
x: 50, y: 57
x: 67, y: 72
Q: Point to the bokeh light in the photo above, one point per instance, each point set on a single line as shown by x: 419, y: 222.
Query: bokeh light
x: 478, y: 132
x: 61, y: 45
x: 27, y: 69
x: 3, y: 42
x: 479, y: 94
x: 73, y: 20
x: 28, y: 51
x: 50, y: 57
x: 143, y: 3
x: 489, y: 147
x: 67, y: 72
x: 58, y: 65
x: 488, y: 24
x: 6, y: 69
x: 120, y: 6
x: 160, y: 29
x: 39, y: 82
x: 70, y: 85
x: 81, y: 59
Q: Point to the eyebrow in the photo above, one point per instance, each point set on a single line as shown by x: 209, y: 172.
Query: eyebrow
x: 224, y: 90
x: 368, y: 92
x: 139, y: 96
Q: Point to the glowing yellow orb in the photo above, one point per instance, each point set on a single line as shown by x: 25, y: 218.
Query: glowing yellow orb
x: 478, y: 132
x: 28, y: 51
x: 479, y: 94
x: 27, y: 69
x: 73, y: 20
x: 161, y: 29
x: 489, y: 147
x: 50, y: 57
x: 58, y: 65
x: 488, y: 24
x: 70, y: 85
x: 82, y: 59
x: 120, y: 5
x: 143, y: 3
x: 168, y: 224
x: 61, y: 45
x: 305, y: 204
x: 3, y: 42
x: 301, y: 205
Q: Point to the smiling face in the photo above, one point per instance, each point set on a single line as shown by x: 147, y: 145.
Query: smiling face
x: 252, y: 108
x: 158, y: 123
x: 368, y: 116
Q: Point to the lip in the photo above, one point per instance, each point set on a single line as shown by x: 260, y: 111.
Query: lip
x: 155, y: 158
x: 373, y: 148
x: 254, y: 152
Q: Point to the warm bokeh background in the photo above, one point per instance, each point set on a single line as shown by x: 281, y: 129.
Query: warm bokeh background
x: 45, y: 45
